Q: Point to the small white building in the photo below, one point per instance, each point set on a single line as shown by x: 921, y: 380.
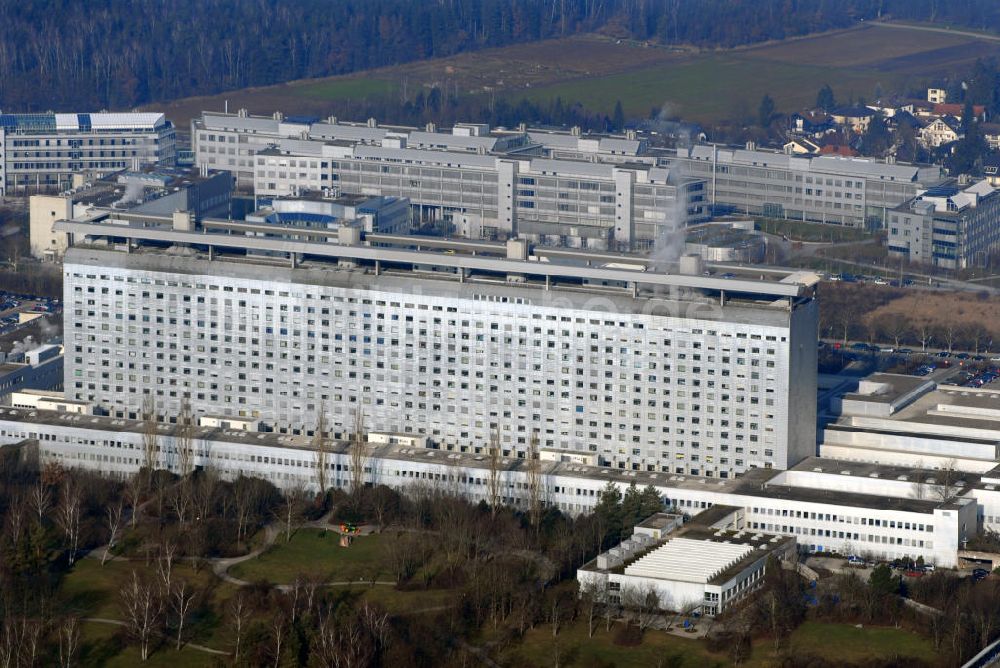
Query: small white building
x: 937, y: 95
x: 49, y: 400
x: 696, y: 568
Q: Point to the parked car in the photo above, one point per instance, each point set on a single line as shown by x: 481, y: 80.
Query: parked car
x: 980, y: 574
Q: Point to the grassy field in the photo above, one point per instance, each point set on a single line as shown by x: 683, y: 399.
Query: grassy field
x: 834, y: 642
x: 100, y: 648
x: 803, y: 231
x: 941, y: 309
x: 572, y: 647
x: 316, y: 552
x: 348, y: 88
x: 711, y: 87
x: 844, y: 642
x: 597, y: 70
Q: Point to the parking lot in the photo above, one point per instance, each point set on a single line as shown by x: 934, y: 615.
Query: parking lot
x: 12, y: 305
x: 947, y: 368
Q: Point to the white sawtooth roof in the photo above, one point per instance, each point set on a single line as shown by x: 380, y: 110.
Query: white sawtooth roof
x: 689, y: 560
x: 267, y: 126
x: 424, y: 157
x: 419, y: 138
x: 112, y: 121
x: 346, y: 132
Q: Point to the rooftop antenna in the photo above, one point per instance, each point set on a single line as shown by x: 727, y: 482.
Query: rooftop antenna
x: 226, y: 106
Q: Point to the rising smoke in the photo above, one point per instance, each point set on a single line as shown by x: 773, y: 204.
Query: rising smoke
x: 27, y: 345
x: 133, y: 193
x: 670, y: 238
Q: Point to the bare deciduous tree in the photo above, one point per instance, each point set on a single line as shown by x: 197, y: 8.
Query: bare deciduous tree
x: 132, y: 493
x: 359, y: 453
x: 180, y: 600
x: 205, y: 492
x: 185, y: 439
x: 534, y: 484
x: 165, y: 563
x: 643, y: 603
x: 245, y: 498
x: 114, y: 520
x: 944, y: 485
x: 150, y: 439
x: 69, y: 640
x: 924, y: 331
x: 493, y: 476
x: 279, y: 624
x: 40, y: 499
x: 142, y: 608
x: 17, y: 512
x: 68, y: 514
x: 183, y: 500
x: 593, y: 595
x: 290, y: 511
x: 239, y: 615
x: 321, y: 450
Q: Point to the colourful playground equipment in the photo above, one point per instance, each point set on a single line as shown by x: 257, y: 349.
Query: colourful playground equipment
x: 348, y: 531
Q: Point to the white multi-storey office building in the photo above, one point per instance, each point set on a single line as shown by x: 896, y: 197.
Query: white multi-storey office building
x: 41, y: 152
x: 680, y: 373
x: 508, y: 181
x: 857, y: 192
x: 827, y: 505
x: 948, y: 226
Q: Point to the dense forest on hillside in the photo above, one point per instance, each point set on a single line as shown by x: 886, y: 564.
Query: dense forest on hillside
x: 73, y: 54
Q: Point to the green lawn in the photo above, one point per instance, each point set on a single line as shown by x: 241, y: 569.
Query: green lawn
x: 99, y: 648
x: 798, y: 230
x: 572, y: 647
x: 713, y: 87
x: 409, y: 602
x: 355, y: 88
x: 843, y: 642
x: 314, y: 551
x: 846, y: 642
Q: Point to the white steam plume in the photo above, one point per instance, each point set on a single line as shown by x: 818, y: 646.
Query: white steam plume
x: 671, y: 236
x: 27, y: 345
x: 133, y: 192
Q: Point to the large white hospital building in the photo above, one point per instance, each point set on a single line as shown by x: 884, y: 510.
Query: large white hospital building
x: 598, y: 357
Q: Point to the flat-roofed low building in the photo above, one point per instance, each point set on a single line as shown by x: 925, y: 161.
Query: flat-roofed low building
x: 40, y: 368
x: 909, y: 421
x: 557, y: 188
x: 726, y: 241
x: 827, y: 505
x: 49, y: 400
x: 855, y: 192
x: 154, y: 191
x: 693, y: 568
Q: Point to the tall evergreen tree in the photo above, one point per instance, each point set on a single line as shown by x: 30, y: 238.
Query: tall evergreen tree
x: 765, y: 112
x: 825, y: 99
x: 618, y: 118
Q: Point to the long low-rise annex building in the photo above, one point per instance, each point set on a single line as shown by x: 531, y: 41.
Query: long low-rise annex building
x: 854, y: 192
x: 502, y: 184
x: 827, y: 505
x: 643, y: 370
x: 913, y: 422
